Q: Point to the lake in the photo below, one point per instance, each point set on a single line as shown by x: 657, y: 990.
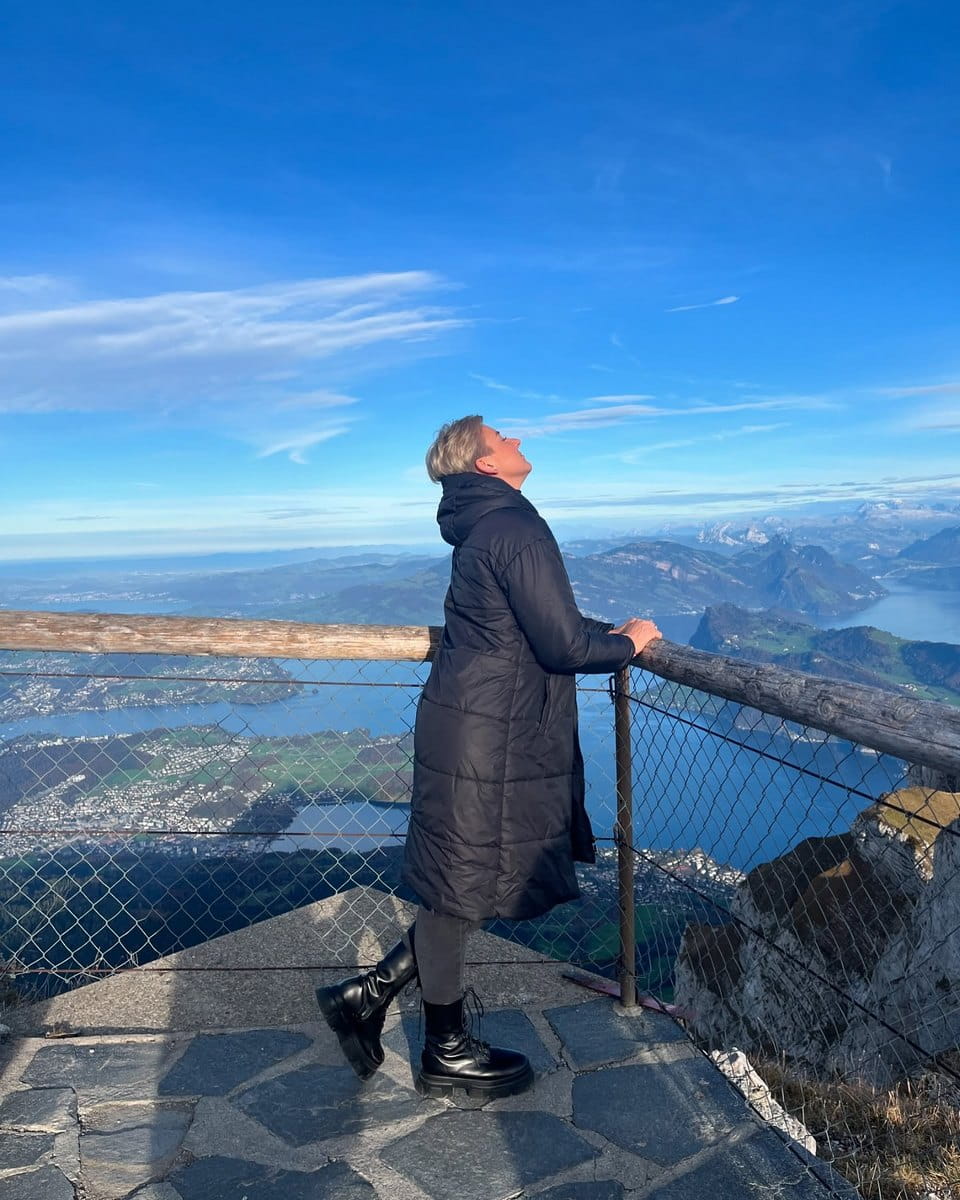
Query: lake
x: 921, y: 614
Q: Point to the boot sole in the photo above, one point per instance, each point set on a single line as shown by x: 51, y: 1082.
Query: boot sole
x: 339, y: 1021
x: 444, y: 1086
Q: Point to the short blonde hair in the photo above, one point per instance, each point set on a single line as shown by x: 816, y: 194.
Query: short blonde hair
x: 456, y: 448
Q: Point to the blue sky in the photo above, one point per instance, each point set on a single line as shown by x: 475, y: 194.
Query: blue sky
x: 703, y: 257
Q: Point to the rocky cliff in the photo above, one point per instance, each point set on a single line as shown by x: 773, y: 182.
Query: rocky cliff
x: 843, y: 954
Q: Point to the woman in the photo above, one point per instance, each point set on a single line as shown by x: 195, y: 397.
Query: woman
x: 497, y: 813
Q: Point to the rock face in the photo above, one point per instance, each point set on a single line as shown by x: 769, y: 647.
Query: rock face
x: 844, y: 954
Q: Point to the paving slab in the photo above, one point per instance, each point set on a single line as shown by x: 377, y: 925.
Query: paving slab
x: 100, y: 1071
x: 596, y: 1034
x: 316, y: 1103
x: 486, y: 1156
x: 214, y: 1064
x: 731, y: 1169
x: 665, y: 1111
x: 234, y: 1179
x: 47, y: 1183
x: 157, y: 1191
x: 601, y: 1189
x: 23, y: 1149
x: 40, y: 1108
x: 126, y: 1145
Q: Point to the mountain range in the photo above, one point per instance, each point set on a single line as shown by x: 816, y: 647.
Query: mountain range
x: 655, y: 578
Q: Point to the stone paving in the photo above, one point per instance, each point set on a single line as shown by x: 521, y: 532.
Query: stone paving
x: 623, y: 1104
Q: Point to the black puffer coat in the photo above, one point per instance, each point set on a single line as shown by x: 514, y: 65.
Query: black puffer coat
x: 498, y: 817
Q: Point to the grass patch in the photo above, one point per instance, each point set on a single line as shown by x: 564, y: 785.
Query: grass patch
x: 918, y: 813
x: 897, y: 1144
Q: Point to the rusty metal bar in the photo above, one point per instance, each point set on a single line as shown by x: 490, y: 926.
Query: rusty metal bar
x: 624, y: 838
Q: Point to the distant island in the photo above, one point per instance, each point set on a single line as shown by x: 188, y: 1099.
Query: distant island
x: 860, y: 654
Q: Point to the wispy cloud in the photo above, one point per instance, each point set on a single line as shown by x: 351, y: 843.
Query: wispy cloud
x: 621, y: 398
x: 708, y: 304
x: 318, y: 399
x: 603, y: 412
x: 943, y: 418
x: 584, y: 418
x: 923, y: 389
x: 641, y: 452
x: 722, y: 497
x: 190, y: 349
x: 296, y: 445
x: 758, y: 404
x: 89, y: 517
x: 29, y: 285
x: 523, y: 393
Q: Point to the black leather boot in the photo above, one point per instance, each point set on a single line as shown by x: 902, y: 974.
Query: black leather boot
x: 356, y: 1008
x: 453, y: 1059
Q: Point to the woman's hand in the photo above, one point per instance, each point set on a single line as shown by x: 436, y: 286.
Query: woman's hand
x: 640, y: 632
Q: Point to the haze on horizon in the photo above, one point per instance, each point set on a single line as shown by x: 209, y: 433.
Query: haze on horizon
x: 703, y: 261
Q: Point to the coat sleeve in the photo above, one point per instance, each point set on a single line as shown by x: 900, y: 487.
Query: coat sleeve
x: 538, y: 591
x: 592, y: 625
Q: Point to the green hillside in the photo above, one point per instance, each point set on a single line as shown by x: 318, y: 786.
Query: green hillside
x: 861, y: 654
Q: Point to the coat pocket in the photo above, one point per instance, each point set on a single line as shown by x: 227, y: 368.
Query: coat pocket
x: 545, y: 710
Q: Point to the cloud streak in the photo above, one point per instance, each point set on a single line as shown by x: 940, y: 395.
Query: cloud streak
x: 925, y: 389
x: 186, y: 348
x: 29, y: 285
x: 523, y: 393
x: 709, y: 304
x: 641, y: 452
x: 605, y: 412
x: 296, y: 445
x: 939, y: 419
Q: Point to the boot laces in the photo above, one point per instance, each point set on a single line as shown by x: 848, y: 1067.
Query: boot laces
x: 474, y: 1010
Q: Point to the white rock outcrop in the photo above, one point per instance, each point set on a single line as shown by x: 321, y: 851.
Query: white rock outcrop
x: 844, y: 955
x: 738, y: 1069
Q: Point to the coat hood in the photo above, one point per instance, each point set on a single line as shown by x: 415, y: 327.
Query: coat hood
x: 470, y: 496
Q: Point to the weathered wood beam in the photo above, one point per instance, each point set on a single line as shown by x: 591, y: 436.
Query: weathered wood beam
x: 919, y: 731
x: 119, y: 633
x: 916, y: 730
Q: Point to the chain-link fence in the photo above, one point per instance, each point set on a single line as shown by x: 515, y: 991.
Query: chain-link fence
x: 799, y: 902
x: 149, y: 803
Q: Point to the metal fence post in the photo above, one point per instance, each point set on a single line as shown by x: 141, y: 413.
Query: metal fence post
x: 623, y: 835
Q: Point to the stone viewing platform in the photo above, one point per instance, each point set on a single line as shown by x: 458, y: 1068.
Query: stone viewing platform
x: 213, y: 1082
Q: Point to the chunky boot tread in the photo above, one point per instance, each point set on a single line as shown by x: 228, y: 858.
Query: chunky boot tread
x: 447, y: 1086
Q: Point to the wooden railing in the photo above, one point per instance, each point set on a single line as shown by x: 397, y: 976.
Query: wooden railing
x: 919, y: 731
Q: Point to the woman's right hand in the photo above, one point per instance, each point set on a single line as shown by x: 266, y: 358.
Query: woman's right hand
x: 640, y: 632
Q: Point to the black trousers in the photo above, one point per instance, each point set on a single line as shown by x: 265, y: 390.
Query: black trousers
x: 440, y: 944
